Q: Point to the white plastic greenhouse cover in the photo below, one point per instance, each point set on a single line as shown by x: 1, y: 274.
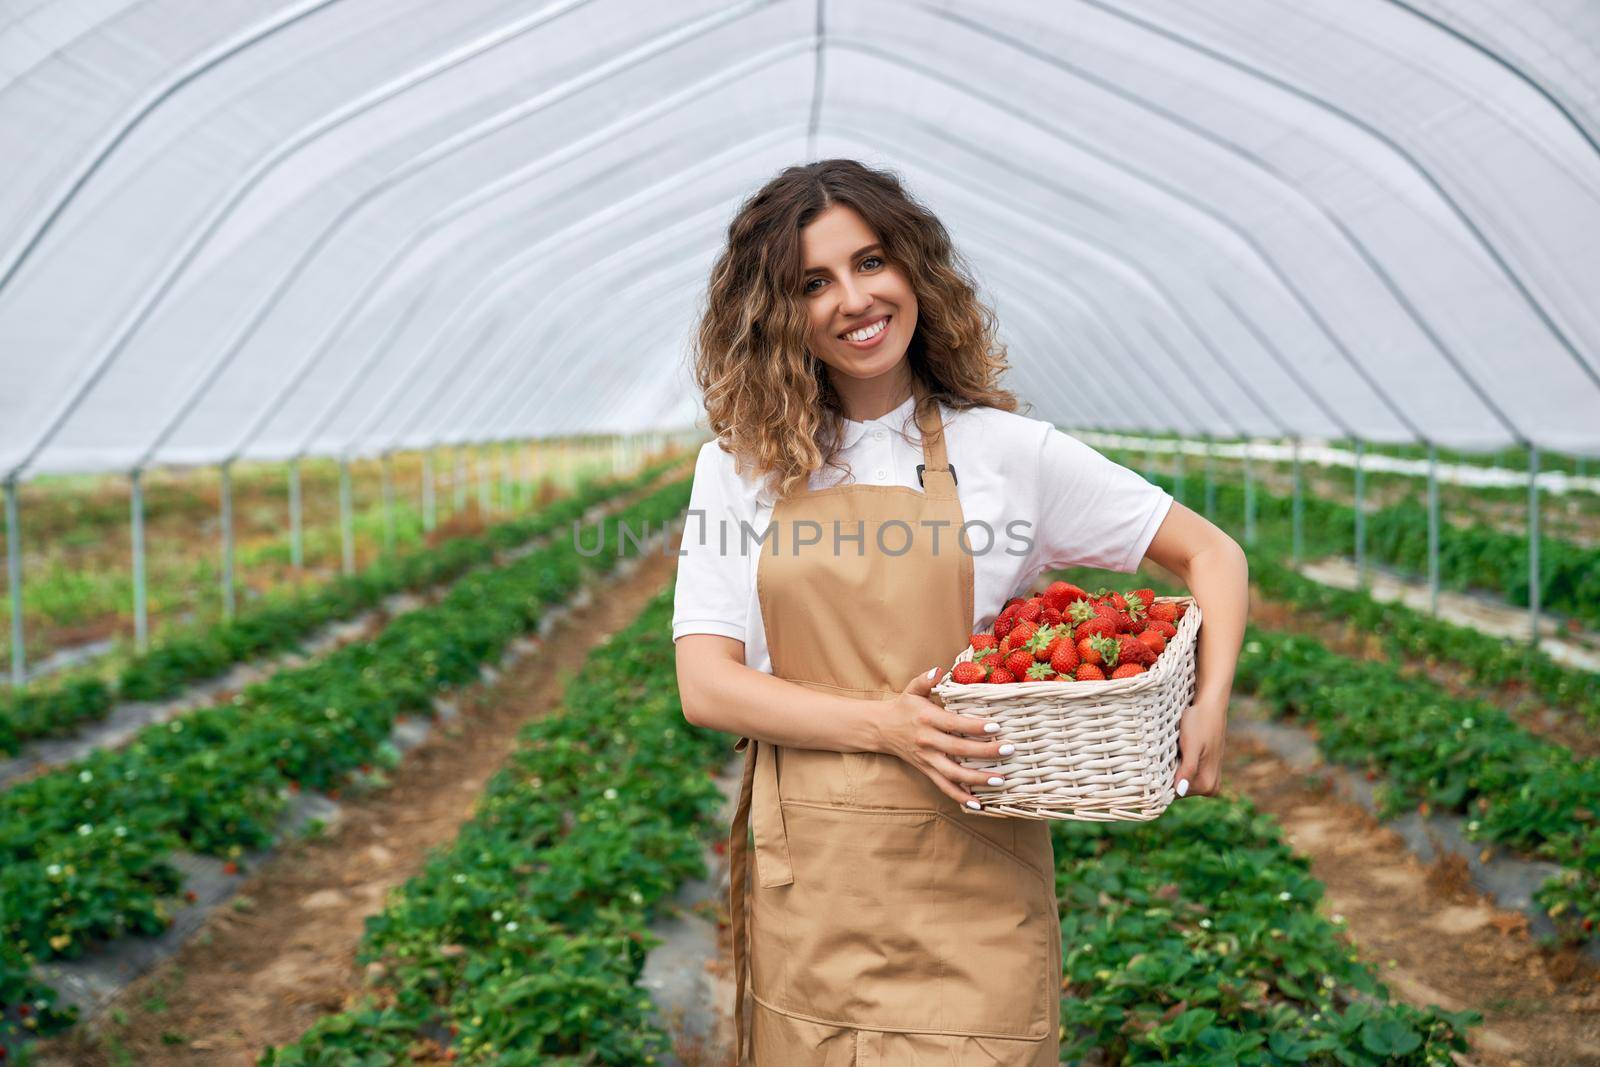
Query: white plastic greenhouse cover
x: 244, y: 228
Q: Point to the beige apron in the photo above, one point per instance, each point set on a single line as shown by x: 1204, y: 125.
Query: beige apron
x: 887, y: 925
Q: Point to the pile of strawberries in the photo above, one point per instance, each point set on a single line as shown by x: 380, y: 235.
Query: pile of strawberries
x: 1065, y: 634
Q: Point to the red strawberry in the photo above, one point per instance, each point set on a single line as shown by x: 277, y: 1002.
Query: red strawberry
x: 1087, y: 653
x: 1002, y: 626
x: 1059, y: 594
x: 1031, y: 611
x: 1164, y: 610
x: 1154, y: 640
x: 991, y: 661
x: 1139, y: 604
x: 1022, y: 633
x: 1109, y: 649
x: 230, y: 868
x: 1098, y: 625
x: 1133, y: 650
x: 1166, y: 629
x: 1127, y: 670
x: 1000, y: 676
x: 1052, y: 615
x: 1045, y: 641
x: 967, y: 673
x: 1018, y: 662
x: 1039, y: 643
x: 190, y: 895
x: 1064, y: 658
x: 980, y: 642
x: 1117, y: 600
x: 1088, y: 672
x: 1040, y: 672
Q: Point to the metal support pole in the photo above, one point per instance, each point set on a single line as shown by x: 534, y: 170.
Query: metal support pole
x: 530, y: 472
x: 483, y: 482
x: 227, y: 541
x: 386, y: 476
x: 141, y: 613
x: 508, y: 501
x: 347, y: 533
x: 19, y: 656
x: 1533, y: 544
x: 460, y: 483
x: 1211, y: 480
x: 1298, y: 509
x: 1433, y: 528
x: 430, y: 506
x: 1361, y: 519
x: 1177, y: 473
x: 1249, y: 498
x: 297, y: 536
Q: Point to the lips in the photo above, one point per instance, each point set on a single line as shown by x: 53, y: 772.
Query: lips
x: 843, y: 334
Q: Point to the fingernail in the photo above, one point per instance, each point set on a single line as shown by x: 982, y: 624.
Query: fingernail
x: 1007, y: 748
x: 991, y: 727
x: 974, y: 805
x: 933, y: 672
x: 997, y: 780
x: 1183, y: 787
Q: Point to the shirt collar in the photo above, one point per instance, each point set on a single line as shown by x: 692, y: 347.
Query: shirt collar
x: 894, y: 421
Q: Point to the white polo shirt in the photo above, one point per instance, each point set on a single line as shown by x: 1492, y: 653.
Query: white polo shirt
x: 1049, y: 500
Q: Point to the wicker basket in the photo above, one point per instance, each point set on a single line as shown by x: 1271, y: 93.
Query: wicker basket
x: 1099, y: 751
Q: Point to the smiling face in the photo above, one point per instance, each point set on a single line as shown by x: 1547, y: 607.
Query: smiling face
x: 847, y: 286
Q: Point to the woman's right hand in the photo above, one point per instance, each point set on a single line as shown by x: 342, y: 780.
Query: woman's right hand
x: 926, y: 736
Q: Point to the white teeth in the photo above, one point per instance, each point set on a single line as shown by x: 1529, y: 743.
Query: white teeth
x: 868, y: 332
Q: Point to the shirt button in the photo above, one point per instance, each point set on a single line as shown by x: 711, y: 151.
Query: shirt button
x: 882, y: 474
x: 880, y: 434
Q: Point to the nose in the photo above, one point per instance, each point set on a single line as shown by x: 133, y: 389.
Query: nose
x: 853, y: 299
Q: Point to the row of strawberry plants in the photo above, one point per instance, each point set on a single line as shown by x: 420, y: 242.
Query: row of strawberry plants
x: 1460, y: 755
x: 1196, y: 939
x: 56, y: 706
x: 1456, y: 754
x: 521, y: 942
x: 1470, y: 557
x: 1487, y: 659
x: 85, y: 849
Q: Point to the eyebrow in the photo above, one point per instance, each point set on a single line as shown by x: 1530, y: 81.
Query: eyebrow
x: 853, y: 255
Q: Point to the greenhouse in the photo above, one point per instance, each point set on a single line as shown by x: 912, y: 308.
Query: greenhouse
x: 366, y: 697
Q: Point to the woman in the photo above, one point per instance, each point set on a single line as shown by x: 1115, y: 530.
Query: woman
x: 852, y: 379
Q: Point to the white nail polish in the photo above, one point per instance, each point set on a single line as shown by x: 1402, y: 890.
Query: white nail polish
x: 997, y: 780
x: 974, y: 805
x: 1007, y: 748
x: 933, y: 672
x: 991, y: 727
x: 1183, y: 787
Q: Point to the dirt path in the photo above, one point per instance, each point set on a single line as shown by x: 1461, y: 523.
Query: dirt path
x: 262, y: 973
x: 1433, y: 938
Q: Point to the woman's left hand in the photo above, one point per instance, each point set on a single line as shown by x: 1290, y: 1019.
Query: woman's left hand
x: 1201, y: 733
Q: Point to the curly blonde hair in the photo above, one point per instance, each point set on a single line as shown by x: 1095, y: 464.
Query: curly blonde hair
x: 768, y: 399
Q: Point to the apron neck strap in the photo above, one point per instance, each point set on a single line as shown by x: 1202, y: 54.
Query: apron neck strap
x: 937, y: 476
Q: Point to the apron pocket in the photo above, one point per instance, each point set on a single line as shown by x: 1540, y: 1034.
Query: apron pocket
x: 902, y: 919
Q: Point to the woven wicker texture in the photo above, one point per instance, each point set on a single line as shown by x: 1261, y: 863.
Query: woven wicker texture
x: 1099, y: 751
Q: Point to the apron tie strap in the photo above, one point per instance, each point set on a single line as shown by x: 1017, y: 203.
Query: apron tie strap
x: 764, y: 815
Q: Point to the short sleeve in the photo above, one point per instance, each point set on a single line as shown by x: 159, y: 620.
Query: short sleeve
x: 1093, y: 512
x: 712, y: 594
